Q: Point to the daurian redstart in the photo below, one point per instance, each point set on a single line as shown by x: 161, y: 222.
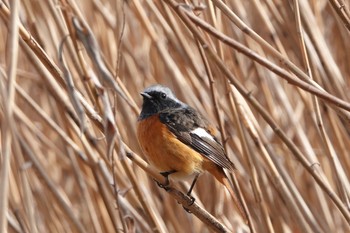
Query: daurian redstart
x: 179, y: 141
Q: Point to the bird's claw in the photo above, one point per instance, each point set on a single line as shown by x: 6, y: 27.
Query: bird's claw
x: 164, y: 186
x: 192, y: 200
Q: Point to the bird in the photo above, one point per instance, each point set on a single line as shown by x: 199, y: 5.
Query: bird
x: 180, y: 142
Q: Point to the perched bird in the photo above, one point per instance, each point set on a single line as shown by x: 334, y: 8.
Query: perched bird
x: 179, y: 141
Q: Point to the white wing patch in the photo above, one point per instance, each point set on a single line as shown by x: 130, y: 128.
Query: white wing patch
x: 202, y: 133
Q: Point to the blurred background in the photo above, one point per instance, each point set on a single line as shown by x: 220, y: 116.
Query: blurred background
x: 272, y: 75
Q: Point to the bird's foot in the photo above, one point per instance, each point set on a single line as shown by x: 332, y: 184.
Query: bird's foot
x: 191, y: 202
x: 165, y: 185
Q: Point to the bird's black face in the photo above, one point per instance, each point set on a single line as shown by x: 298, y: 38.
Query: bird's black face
x: 156, y: 99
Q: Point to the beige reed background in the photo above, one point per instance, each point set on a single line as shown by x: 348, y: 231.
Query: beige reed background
x: 273, y: 76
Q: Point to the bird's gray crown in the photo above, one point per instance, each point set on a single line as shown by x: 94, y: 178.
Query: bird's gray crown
x: 157, y: 88
x: 157, y: 98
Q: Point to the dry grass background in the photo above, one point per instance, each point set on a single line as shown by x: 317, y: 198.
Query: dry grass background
x: 278, y: 96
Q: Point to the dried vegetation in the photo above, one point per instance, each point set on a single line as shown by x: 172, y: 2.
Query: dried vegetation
x: 273, y: 75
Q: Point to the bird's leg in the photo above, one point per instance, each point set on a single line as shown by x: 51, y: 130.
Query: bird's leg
x: 190, y: 191
x: 191, y: 188
x: 166, y: 175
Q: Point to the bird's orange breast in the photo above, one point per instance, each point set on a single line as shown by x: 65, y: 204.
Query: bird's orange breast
x: 165, y: 151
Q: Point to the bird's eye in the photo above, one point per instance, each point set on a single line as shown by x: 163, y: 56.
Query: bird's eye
x: 163, y: 96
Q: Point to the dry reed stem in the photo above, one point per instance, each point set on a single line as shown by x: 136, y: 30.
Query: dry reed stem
x: 8, y: 97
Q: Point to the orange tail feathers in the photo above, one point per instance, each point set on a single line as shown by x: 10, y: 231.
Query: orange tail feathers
x: 220, y: 175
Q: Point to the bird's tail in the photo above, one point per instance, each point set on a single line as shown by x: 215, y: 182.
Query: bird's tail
x: 220, y: 175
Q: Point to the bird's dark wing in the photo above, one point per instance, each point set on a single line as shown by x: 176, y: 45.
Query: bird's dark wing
x: 191, y: 128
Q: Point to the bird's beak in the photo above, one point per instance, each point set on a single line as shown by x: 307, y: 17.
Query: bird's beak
x: 146, y: 95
